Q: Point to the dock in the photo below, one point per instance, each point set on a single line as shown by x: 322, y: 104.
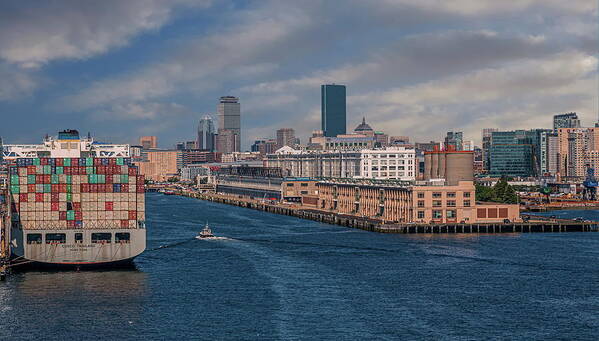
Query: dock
x: 539, y: 225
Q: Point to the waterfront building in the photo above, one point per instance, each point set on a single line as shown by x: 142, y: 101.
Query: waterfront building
x: 206, y: 134
x: 517, y: 153
x: 448, y: 167
x: 486, y: 147
x: 569, y: 120
x: 333, y: 109
x: 229, y: 124
x: 188, y: 157
x: 160, y: 164
x: 454, y: 140
x: 148, y: 142
x: 300, y: 190
x: 315, y: 164
x: 285, y: 137
x: 395, y: 163
x: 191, y: 172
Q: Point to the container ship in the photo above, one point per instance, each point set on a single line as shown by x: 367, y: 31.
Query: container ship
x: 74, y: 203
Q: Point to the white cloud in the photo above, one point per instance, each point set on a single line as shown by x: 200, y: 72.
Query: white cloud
x: 142, y: 111
x: 16, y: 84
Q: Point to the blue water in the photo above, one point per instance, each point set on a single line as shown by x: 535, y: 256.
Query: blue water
x: 281, y: 278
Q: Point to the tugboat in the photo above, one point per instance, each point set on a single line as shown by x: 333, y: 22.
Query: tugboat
x: 205, y: 233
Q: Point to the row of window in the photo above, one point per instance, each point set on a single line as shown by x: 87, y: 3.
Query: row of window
x: 96, y: 238
x: 438, y: 214
x: 382, y: 156
x: 391, y: 162
x: 447, y: 194
x: 448, y: 203
x: 291, y: 184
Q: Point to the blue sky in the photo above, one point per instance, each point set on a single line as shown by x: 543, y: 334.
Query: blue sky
x: 122, y: 69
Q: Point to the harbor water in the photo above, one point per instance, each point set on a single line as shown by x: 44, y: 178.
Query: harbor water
x: 282, y: 278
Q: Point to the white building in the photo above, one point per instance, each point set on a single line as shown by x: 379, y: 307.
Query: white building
x: 394, y: 163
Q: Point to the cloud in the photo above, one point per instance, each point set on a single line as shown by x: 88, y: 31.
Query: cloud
x: 16, y: 84
x: 33, y: 34
x: 143, y: 111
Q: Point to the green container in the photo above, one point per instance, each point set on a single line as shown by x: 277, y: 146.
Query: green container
x: 47, y: 188
x: 89, y: 161
x: 36, y: 162
x: 66, y: 162
x: 59, y: 170
x: 69, y: 179
x: 69, y: 189
x: 14, y: 179
x: 54, y: 178
x: 101, y: 178
x: 70, y: 215
x: 47, y: 169
x: 125, y: 179
x: 90, y: 170
x: 31, y: 179
x: 69, y: 196
x: 119, y: 161
x: 15, y: 189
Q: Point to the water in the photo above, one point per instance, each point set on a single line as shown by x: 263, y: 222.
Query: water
x: 281, y: 278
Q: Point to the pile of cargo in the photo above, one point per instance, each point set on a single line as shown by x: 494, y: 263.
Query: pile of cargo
x: 76, y: 193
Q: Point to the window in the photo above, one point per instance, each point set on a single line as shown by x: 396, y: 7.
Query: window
x: 420, y: 214
x: 34, y: 238
x: 304, y: 192
x: 56, y: 238
x: 436, y: 203
x: 420, y: 203
x: 304, y: 184
x: 450, y: 203
x: 122, y: 237
x: 451, y: 194
x: 289, y: 185
x: 450, y: 214
x: 466, y: 194
x: 78, y: 238
x: 466, y: 203
x: 101, y: 238
x: 437, y: 214
x: 420, y: 195
x: 436, y: 194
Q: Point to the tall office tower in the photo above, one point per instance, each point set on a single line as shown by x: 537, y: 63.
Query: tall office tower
x: 229, y: 119
x: 285, y: 137
x: 486, y: 141
x: 1, y: 151
x: 227, y: 141
x: 333, y: 109
x: 569, y: 120
x: 455, y: 140
x: 148, y: 142
x: 206, y: 138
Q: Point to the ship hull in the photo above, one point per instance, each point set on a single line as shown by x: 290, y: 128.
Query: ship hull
x: 79, y: 249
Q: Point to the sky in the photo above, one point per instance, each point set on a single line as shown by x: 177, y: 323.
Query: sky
x: 419, y: 68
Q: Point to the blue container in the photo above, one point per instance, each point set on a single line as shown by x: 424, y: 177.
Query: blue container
x: 116, y: 188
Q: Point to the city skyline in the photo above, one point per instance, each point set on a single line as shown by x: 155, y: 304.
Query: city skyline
x: 469, y: 67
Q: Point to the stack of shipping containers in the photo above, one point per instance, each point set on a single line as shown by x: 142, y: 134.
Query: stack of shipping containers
x: 76, y: 193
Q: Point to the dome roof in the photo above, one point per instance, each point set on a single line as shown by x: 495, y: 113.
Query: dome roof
x: 363, y: 126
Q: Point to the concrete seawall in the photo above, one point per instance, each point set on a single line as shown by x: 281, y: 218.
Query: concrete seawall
x: 376, y: 225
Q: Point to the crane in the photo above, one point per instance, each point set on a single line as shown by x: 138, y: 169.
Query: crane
x: 590, y: 184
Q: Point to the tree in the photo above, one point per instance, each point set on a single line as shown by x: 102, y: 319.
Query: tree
x: 502, y: 192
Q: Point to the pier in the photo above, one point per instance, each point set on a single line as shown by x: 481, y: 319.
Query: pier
x: 540, y: 225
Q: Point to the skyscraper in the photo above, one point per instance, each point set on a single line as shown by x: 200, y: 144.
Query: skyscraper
x: 486, y: 141
x: 206, y: 133
x: 148, y: 142
x: 229, y: 122
x: 569, y: 120
x: 285, y: 137
x: 455, y: 140
x: 333, y: 109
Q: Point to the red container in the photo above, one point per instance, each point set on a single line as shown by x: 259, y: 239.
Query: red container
x: 31, y: 188
x: 47, y: 179
x: 55, y: 188
x: 124, y: 223
x: 112, y: 162
x: 132, y: 171
x: 101, y: 188
x: 93, y: 188
x: 23, y: 197
x: 31, y: 170
x: 108, y: 206
x: 84, y: 188
x: 67, y: 170
x: 140, y: 188
x: 70, y: 223
x: 132, y: 215
x: 78, y: 215
x: 62, y: 215
x: 77, y: 206
x: 108, y: 188
x: 54, y: 197
x: 59, y: 162
x: 39, y: 179
x: 97, y: 162
x: 44, y: 161
x: 124, y: 188
x: 141, y: 180
x: 109, y: 179
x: 54, y: 206
x: 39, y: 197
x: 63, y: 188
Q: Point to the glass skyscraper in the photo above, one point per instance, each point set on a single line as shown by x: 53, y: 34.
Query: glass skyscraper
x: 206, y: 134
x: 333, y: 109
x: 518, y: 152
